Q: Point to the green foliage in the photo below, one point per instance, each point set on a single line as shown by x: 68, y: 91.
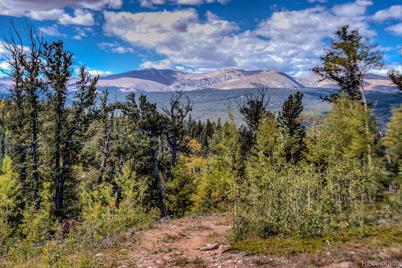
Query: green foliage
x: 102, y: 216
x: 393, y: 141
x: 179, y: 189
x: 348, y: 60
x: 358, y: 237
x: 290, y: 123
x: 38, y: 225
x: 9, y: 203
x: 216, y: 183
x: 279, y: 197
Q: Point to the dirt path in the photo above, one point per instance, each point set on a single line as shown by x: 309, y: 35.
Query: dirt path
x: 178, y: 242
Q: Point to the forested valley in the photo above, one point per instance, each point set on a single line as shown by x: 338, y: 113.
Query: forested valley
x: 76, y: 174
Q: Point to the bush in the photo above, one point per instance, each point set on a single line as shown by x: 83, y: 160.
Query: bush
x: 217, y: 179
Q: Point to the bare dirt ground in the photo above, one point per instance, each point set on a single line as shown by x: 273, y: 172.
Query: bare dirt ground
x: 177, y: 243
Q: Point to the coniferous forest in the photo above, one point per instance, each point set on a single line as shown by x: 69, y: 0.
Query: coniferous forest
x: 78, y: 172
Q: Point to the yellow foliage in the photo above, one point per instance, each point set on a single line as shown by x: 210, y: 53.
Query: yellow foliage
x: 194, y: 145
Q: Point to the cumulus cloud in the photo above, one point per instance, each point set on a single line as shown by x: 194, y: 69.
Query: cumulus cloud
x: 395, y: 29
x: 394, y: 12
x: 52, y: 30
x: 161, y: 64
x: 357, y: 8
x: 286, y: 40
x: 391, y: 13
x: 152, y: 3
x: 55, y: 10
x: 115, y: 48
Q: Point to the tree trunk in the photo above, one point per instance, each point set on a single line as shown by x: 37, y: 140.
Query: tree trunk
x: 33, y: 122
x: 173, y: 147
x: 159, y: 185
x: 367, y: 125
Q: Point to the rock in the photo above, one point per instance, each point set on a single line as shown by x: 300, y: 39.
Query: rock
x: 99, y: 255
x: 165, y: 218
x: 210, y: 247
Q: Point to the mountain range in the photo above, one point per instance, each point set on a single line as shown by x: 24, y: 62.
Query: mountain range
x: 215, y: 93
x: 156, y: 80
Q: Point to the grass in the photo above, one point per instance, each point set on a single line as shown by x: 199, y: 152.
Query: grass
x: 367, y: 236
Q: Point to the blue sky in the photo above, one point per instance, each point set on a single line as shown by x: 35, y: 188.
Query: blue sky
x: 112, y: 36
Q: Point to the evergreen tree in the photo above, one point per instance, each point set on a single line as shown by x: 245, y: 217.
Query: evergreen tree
x: 290, y: 123
x: 253, y: 111
x: 57, y: 72
x: 347, y: 61
x: 15, y: 115
x: 147, y: 126
x: 80, y: 116
x: 32, y: 85
x: 396, y: 78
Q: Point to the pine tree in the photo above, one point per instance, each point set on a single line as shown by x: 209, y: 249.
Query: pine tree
x: 347, y: 61
x: 81, y: 115
x: 290, y: 123
x: 146, y: 126
x: 253, y: 111
x: 57, y: 72
x: 32, y: 85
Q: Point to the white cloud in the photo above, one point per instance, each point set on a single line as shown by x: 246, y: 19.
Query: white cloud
x: 152, y: 3
x: 358, y: 8
x: 286, y: 40
x: 54, y: 10
x: 80, y: 17
x: 161, y: 64
x: 52, y: 30
x: 391, y: 13
x: 395, y: 29
x: 394, y: 12
x: 115, y: 48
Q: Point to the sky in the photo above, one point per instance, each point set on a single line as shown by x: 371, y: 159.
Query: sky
x: 114, y: 36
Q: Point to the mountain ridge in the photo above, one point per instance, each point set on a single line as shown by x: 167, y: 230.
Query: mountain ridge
x: 167, y: 80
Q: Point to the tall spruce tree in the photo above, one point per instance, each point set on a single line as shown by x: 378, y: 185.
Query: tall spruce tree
x: 57, y: 72
x: 16, y: 119
x: 81, y: 114
x: 26, y: 68
x: 290, y: 123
